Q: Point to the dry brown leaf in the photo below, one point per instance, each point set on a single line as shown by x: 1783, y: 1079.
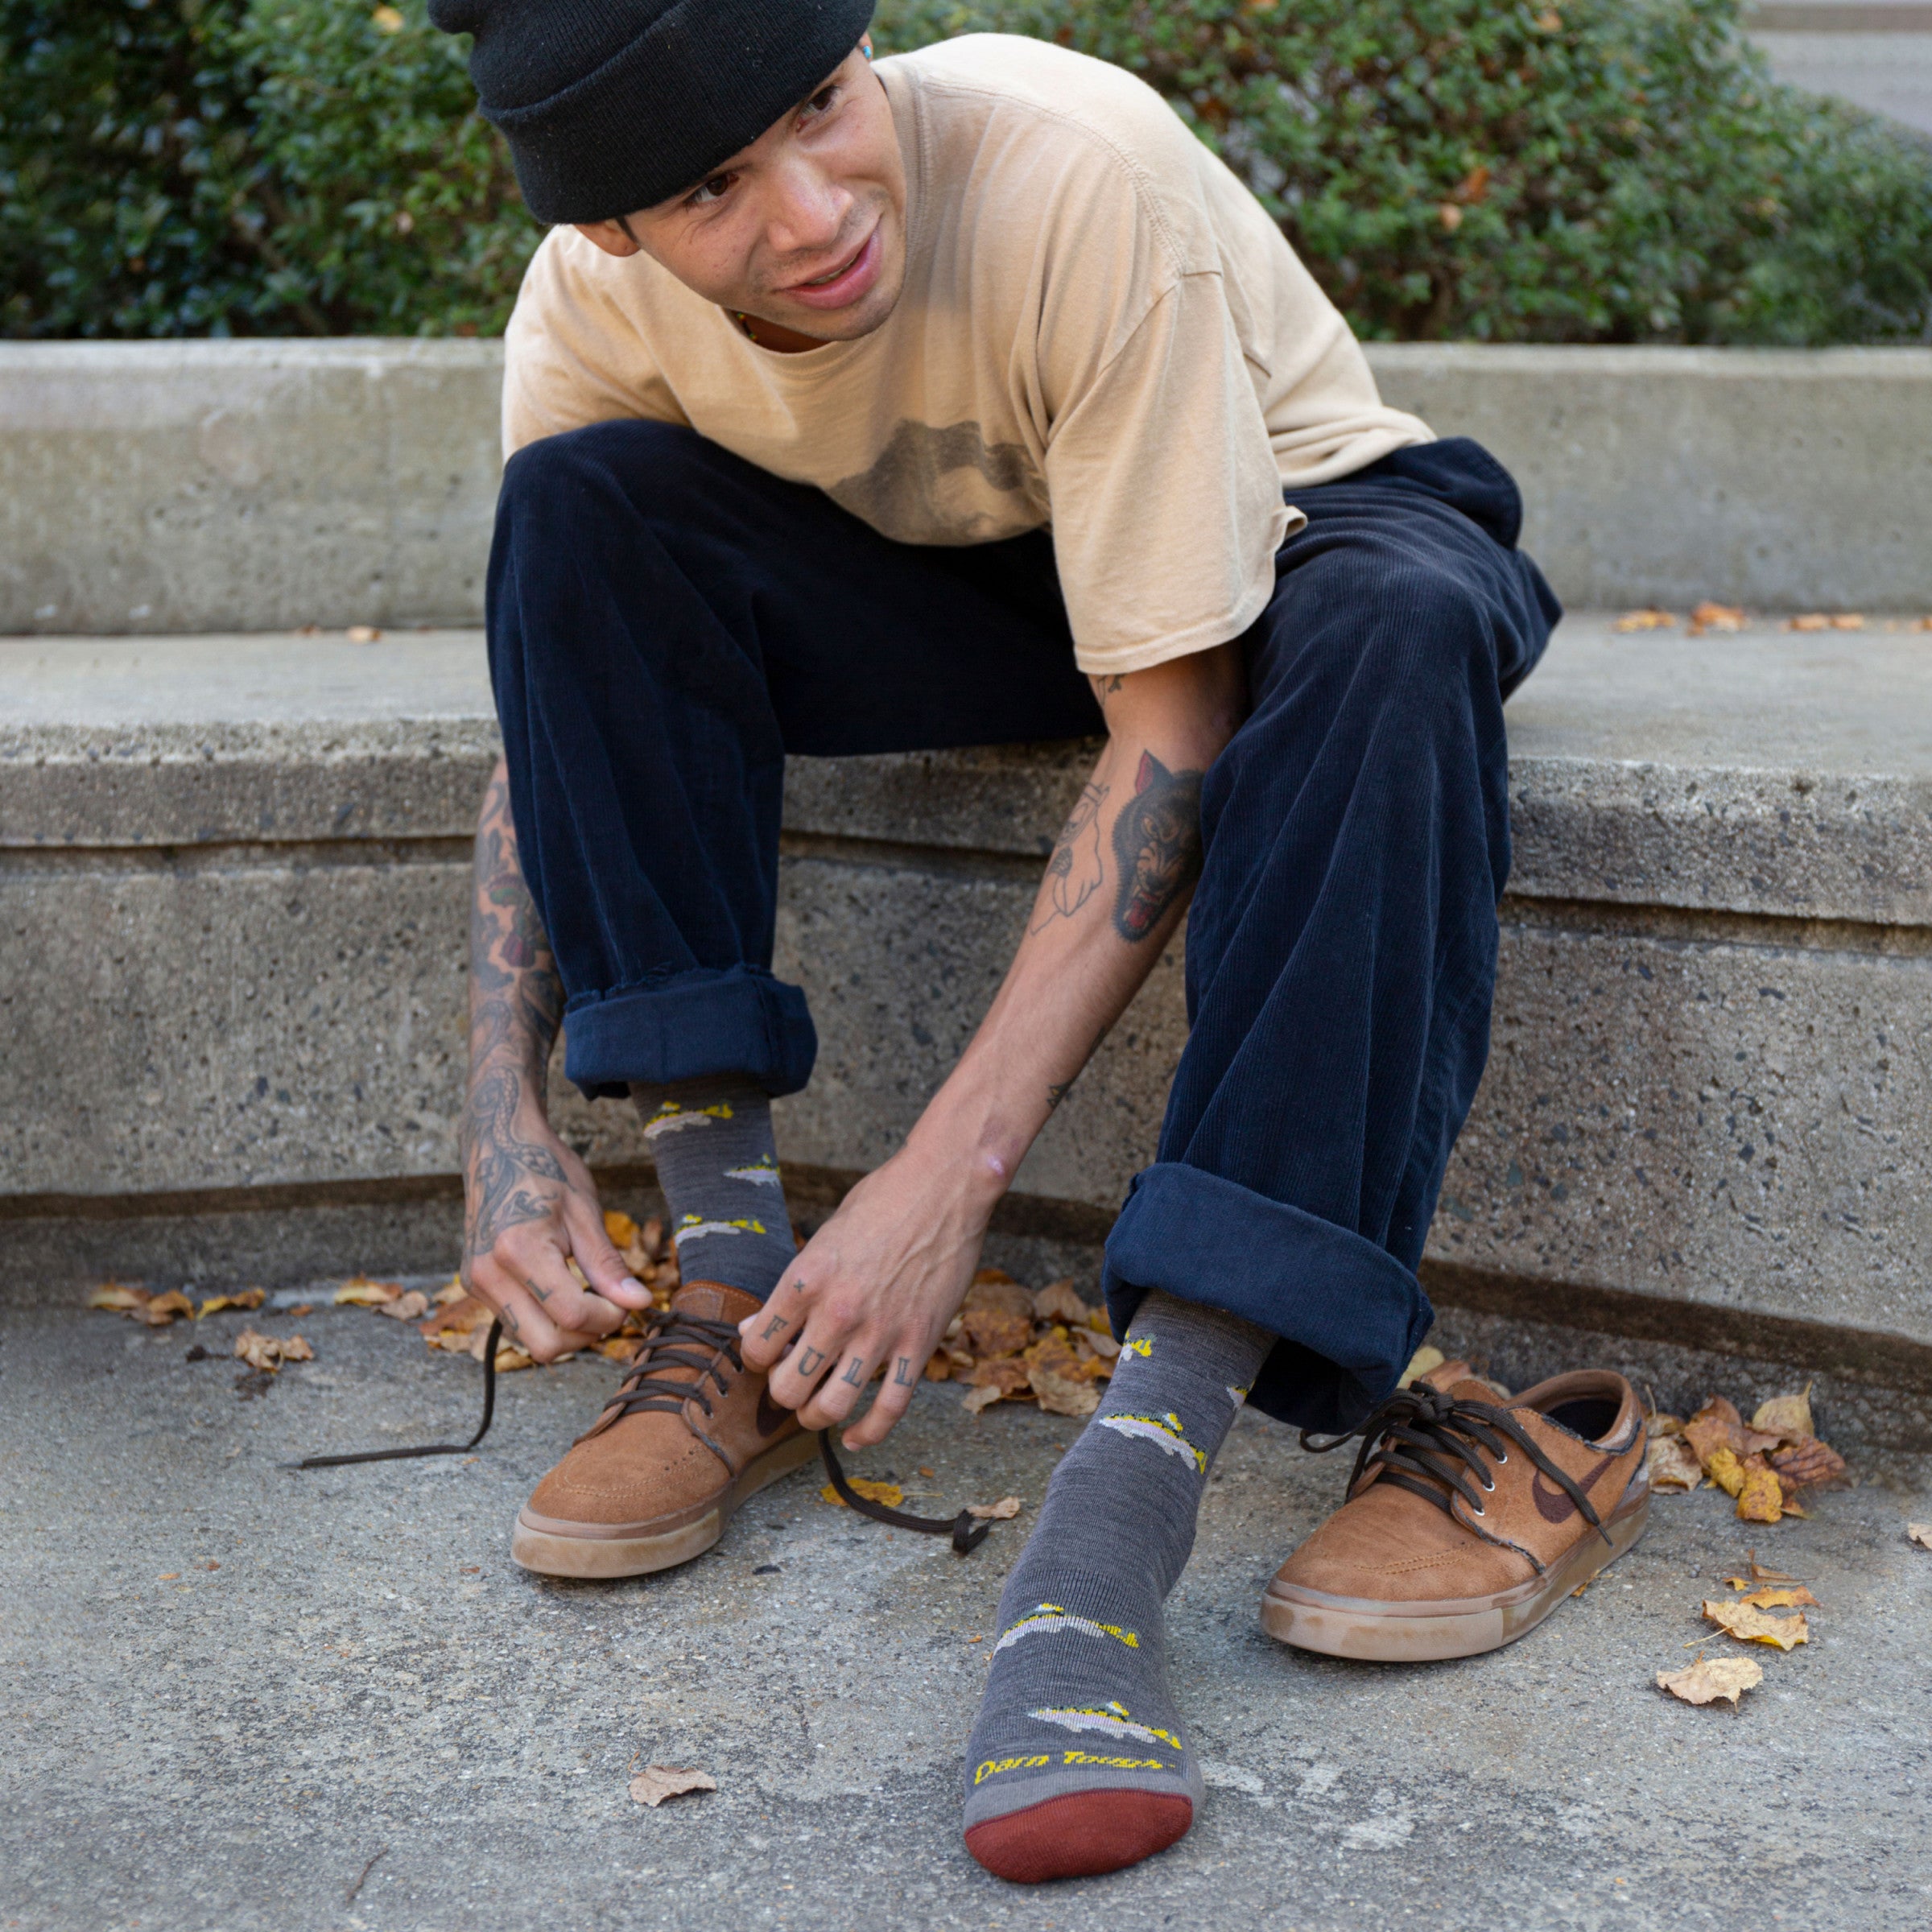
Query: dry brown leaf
x: 1808, y: 1463
x: 656, y: 1782
x: 1003, y: 1511
x: 1061, y: 1395
x: 1645, y: 619
x: 1810, y: 620
x: 1920, y: 1533
x: 367, y: 634
x: 1786, y: 1415
x: 163, y: 1309
x: 994, y: 1331
x: 1753, y: 1627
x: 361, y: 1292
x: 620, y: 1227
x: 1663, y: 1425
x: 451, y: 1292
x: 1673, y: 1465
x: 118, y: 1297
x: 1703, y: 1682
x: 269, y: 1351
x: 411, y: 1307
x: 939, y: 1366
x: 1424, y: 1359
x: 1761, y: 1498
x: 1103, y: 1344
x: 1058, y: 1302
x: 982, y: 1397
x: 1724, y: 1469
x: 620, y: 1348
x: 245, y: 1298
x: 1715, y: 617
x: 511, y: 1358
x: 891, y: 1494
x: 1009, y: 1375
x: 455, y: 1340
x: 1780, y: 1597
x: 461, y: 1317
x: 1849, y: 620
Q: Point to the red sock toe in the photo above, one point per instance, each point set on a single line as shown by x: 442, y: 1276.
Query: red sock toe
x: 1080, y: 1835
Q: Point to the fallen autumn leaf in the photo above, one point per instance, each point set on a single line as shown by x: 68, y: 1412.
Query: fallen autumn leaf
x: 1003, y: 1511
x: 1706, y: 1680
x: 891, y: 1494
x: 1752, y: 1626
x: 656, y: 1782
x: 1920, y: 1533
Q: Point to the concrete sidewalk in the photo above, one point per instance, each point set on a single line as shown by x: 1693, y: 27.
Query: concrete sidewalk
x: 233, y: 1685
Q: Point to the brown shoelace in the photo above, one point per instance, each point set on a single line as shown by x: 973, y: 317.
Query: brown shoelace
x: 1410, y: 1438
x: 665, y: 1346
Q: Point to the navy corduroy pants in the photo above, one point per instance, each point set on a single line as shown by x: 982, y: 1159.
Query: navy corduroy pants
x: 666, y: 622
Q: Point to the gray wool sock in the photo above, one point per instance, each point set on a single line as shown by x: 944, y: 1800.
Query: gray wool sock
x: 718, y: 1165
x: 1077, y: 1697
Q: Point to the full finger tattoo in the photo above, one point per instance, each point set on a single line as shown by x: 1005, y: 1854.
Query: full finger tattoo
x: 776, y: 1327
x: 810, y: 1361
x: 855, y: 1371
x: 902, y: 1374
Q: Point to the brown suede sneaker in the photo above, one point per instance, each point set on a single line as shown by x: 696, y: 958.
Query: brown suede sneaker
x: 1469, y: 1517
x: 689, y: 1436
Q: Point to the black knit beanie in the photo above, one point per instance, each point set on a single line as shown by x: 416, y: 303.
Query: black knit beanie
x: 612, y: 105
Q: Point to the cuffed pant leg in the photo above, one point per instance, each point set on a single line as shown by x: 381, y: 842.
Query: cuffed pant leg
x: 1341, y: 947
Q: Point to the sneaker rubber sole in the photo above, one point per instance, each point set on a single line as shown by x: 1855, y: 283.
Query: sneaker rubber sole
x: 598, y: 1549
x: 1398, y: 1632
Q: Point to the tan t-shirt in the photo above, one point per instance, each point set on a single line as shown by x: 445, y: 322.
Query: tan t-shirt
x: 1101, y: 330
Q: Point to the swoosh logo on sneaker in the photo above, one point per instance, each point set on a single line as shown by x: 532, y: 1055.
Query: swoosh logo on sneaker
x: 771, y: 1418
x: 1553, y: 1505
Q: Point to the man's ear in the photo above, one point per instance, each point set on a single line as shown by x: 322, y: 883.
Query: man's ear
x: 613, y: 238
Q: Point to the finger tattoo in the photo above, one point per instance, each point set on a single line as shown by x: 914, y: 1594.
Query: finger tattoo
x: 903, y: 1375
x: 855, y: 1371
x: 810, y: 1360
x: 777, y: 1325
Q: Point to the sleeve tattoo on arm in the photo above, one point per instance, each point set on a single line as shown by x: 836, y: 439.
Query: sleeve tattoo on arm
x: 1157, y: 840
x: 1075, y: 872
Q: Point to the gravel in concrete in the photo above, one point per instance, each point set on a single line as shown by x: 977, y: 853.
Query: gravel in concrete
x: 232, y: 1687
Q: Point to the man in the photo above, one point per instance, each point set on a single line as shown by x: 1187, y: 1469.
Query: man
x: 967, y: 399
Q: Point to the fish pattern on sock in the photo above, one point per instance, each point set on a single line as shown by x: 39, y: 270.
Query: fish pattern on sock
x: 1080, y: 1762
x: 718, y: 1165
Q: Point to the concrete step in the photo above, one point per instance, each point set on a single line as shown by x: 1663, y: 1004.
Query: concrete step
x: 232, y: 901
x: 199, y: 486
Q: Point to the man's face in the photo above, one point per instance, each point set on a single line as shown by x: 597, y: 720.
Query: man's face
x: 805, y: 227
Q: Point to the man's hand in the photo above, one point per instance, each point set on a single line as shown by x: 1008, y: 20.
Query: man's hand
x: 872, y: 1292
x: 530, y: 1206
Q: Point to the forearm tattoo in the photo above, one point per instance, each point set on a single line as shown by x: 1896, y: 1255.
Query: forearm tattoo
x: 1075, y: 871
x: 1157, y: 842
x: 516, y: 1004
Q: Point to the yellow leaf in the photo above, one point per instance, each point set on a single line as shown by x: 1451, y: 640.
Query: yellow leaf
x: 1724, y: 1468
x: 113, y: 1296
x: 1786, y: 1414
x: 1715, y: 617
x: 249, y: 1297
x: 1424, y: 1359
x: 891, y: 1494
x: 456, y: 1340
x: 363, y: 1293
x: 1702, y: 1682
x: 620, y: 1227
x: 1645, y: 619
x: 1752, y: 1626
x: 656, y: 1782
x: 1849, y: 619
x: 1771, y: 1598
x: 1003, y: 1511
x: 161, y: 1309
x: 1760, y: 1497
x: 511, y: 1358
x: 1810, y: 620
x: 452, y: 1290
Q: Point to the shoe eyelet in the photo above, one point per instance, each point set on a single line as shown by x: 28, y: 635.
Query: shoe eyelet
x: 1502, y: 1458
x: 1490, y: 1487
x: 1478, y: 1512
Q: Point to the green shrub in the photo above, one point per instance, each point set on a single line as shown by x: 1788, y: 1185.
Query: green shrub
x: 1565, y: 170
x: 1614, y: 170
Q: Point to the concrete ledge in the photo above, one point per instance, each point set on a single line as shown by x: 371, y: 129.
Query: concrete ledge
x: 233, y: 883
x: 201, y: 486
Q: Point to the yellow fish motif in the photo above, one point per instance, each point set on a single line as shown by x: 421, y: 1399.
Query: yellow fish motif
x: 694, y: 1227
x: 671, y: 1117
x: 1111, y: 1720
x: 1163, y: 1431
x: 1050, y: 1617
